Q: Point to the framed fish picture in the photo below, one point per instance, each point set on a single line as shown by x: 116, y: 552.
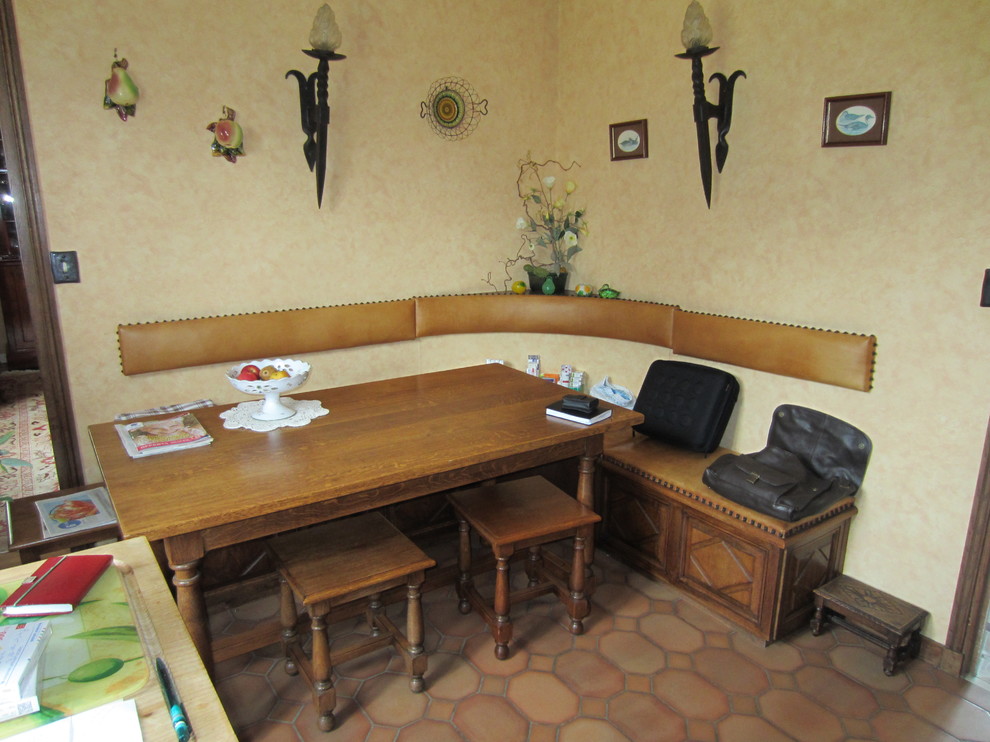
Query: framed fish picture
x: 629, y: 140
x: 854, y: 120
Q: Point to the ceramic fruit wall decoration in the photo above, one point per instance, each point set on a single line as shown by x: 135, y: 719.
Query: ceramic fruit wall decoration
x: 228, y: 138
x: 120, y: 92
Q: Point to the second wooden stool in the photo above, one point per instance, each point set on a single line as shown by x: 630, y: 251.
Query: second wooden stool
x: 338, y: 563
x: 523, y: 514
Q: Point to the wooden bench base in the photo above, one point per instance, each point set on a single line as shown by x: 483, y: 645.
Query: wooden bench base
x: 755, y: 570
x: 872, y: 614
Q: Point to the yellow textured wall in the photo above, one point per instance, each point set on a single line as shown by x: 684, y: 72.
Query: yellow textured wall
x: 884, y: 240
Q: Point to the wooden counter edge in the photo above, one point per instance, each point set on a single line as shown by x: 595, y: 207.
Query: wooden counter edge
x: 206, y: 713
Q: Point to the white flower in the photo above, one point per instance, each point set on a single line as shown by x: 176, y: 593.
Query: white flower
x: 549, y: 181
x: 570, y: 239
x: 521, y: 223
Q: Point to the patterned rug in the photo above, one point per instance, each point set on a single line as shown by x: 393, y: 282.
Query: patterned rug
x: 28, y: 462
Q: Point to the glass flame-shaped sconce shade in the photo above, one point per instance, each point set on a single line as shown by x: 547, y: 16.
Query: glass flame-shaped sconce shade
x: 325, y: 34
x: 697, y: 31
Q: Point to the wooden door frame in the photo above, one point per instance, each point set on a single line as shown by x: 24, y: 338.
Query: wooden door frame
x: 29, y: 220
x: 972, y: 598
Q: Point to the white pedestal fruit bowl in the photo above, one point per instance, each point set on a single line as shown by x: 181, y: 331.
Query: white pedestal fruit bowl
x: 272, y: 408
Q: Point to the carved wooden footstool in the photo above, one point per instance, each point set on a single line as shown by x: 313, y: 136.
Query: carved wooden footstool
x: 887, y: 621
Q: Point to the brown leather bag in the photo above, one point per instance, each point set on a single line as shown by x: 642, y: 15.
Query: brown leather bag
x: 811, y: 461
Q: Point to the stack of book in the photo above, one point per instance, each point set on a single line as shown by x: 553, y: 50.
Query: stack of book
x: 150, y: 437
x: 578, y: 408
x: 22, y: 646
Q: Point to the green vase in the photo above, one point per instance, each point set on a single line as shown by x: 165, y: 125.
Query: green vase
x: 553, y: 283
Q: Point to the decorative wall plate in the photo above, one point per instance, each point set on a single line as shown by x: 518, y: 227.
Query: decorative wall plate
x: 453, y: 108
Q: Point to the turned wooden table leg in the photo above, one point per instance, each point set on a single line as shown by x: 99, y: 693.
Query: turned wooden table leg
x: 184, y: 554
x: 415, y: 632
x: 324, y: 693
x: 502, y: 625
x: 577, y: 603
x: 465, y: 580
x: 586, y: 496
x: 288, y: 617
x: 192, y: 608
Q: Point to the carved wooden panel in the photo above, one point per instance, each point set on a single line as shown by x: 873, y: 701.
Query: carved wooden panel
x: 807, y: 568
x: 727, y: 568
x: 639, y: 525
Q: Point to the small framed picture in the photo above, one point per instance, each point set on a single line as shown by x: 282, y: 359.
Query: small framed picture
x: 854, y: 120
x: 629, y: 140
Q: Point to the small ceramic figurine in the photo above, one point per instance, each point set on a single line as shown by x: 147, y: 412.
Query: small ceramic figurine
x: 583, y: 289
x: 119, y: 91
x: 607, y: 292
x: 228, y: 138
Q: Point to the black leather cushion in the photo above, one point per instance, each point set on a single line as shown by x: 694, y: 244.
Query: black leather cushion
x: 686, y: 404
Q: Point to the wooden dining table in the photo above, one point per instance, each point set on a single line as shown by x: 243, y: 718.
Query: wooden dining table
x: 383, y: 442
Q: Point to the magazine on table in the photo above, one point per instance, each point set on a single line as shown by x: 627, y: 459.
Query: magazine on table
x: 76, y: 512
x: 151, y: 437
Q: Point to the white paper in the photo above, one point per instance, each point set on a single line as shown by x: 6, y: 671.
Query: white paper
x: 91, y: 726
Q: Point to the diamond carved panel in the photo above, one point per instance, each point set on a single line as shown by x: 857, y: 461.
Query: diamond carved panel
x: 727, y: 568
x: 639, y: 522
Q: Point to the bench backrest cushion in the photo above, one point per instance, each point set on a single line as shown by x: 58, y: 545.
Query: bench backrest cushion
x: 618, y: 319
x: 686, y: 404
x: 838, y: 358
x: 159, y: 346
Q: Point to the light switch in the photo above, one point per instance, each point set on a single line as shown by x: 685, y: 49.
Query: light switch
x: 65, y: 267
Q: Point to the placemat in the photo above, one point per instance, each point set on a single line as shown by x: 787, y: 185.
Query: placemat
x: 95, y: 655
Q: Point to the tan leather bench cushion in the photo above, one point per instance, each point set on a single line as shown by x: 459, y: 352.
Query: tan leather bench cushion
x: 158, y: 346
x: 838, y: 358
x: 619, y: 319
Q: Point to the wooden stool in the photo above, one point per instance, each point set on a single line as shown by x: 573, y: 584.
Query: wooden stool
x: 523, y: 514
x: 872, y: 614
x: 337, y: 563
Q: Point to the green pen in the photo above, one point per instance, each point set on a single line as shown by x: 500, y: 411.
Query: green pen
x: 175, y: 708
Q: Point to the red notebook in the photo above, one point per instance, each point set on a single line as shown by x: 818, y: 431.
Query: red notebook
x: 57, y: 586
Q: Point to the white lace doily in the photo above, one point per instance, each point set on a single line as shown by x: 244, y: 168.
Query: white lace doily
x: 240, y: 416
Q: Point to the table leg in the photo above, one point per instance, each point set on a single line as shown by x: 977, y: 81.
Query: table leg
x: 586, y: 496
x: 189, y: 599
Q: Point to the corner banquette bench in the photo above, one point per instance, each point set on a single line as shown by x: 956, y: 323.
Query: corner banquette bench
x: 755, y: 570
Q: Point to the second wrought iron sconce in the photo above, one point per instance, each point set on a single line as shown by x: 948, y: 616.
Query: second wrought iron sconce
x: 695, y: 36
x: 314, y: 91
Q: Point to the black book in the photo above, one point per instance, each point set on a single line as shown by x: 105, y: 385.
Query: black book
x: 556, y: 409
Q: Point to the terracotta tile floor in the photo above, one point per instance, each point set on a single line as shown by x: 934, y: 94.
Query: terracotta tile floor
x: 652, y: 666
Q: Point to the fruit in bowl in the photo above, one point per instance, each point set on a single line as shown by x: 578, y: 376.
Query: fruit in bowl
x: 269, y: 377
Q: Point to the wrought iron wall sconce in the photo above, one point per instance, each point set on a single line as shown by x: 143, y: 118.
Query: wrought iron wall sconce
x: 695, y: 36
x: 314, y: 91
